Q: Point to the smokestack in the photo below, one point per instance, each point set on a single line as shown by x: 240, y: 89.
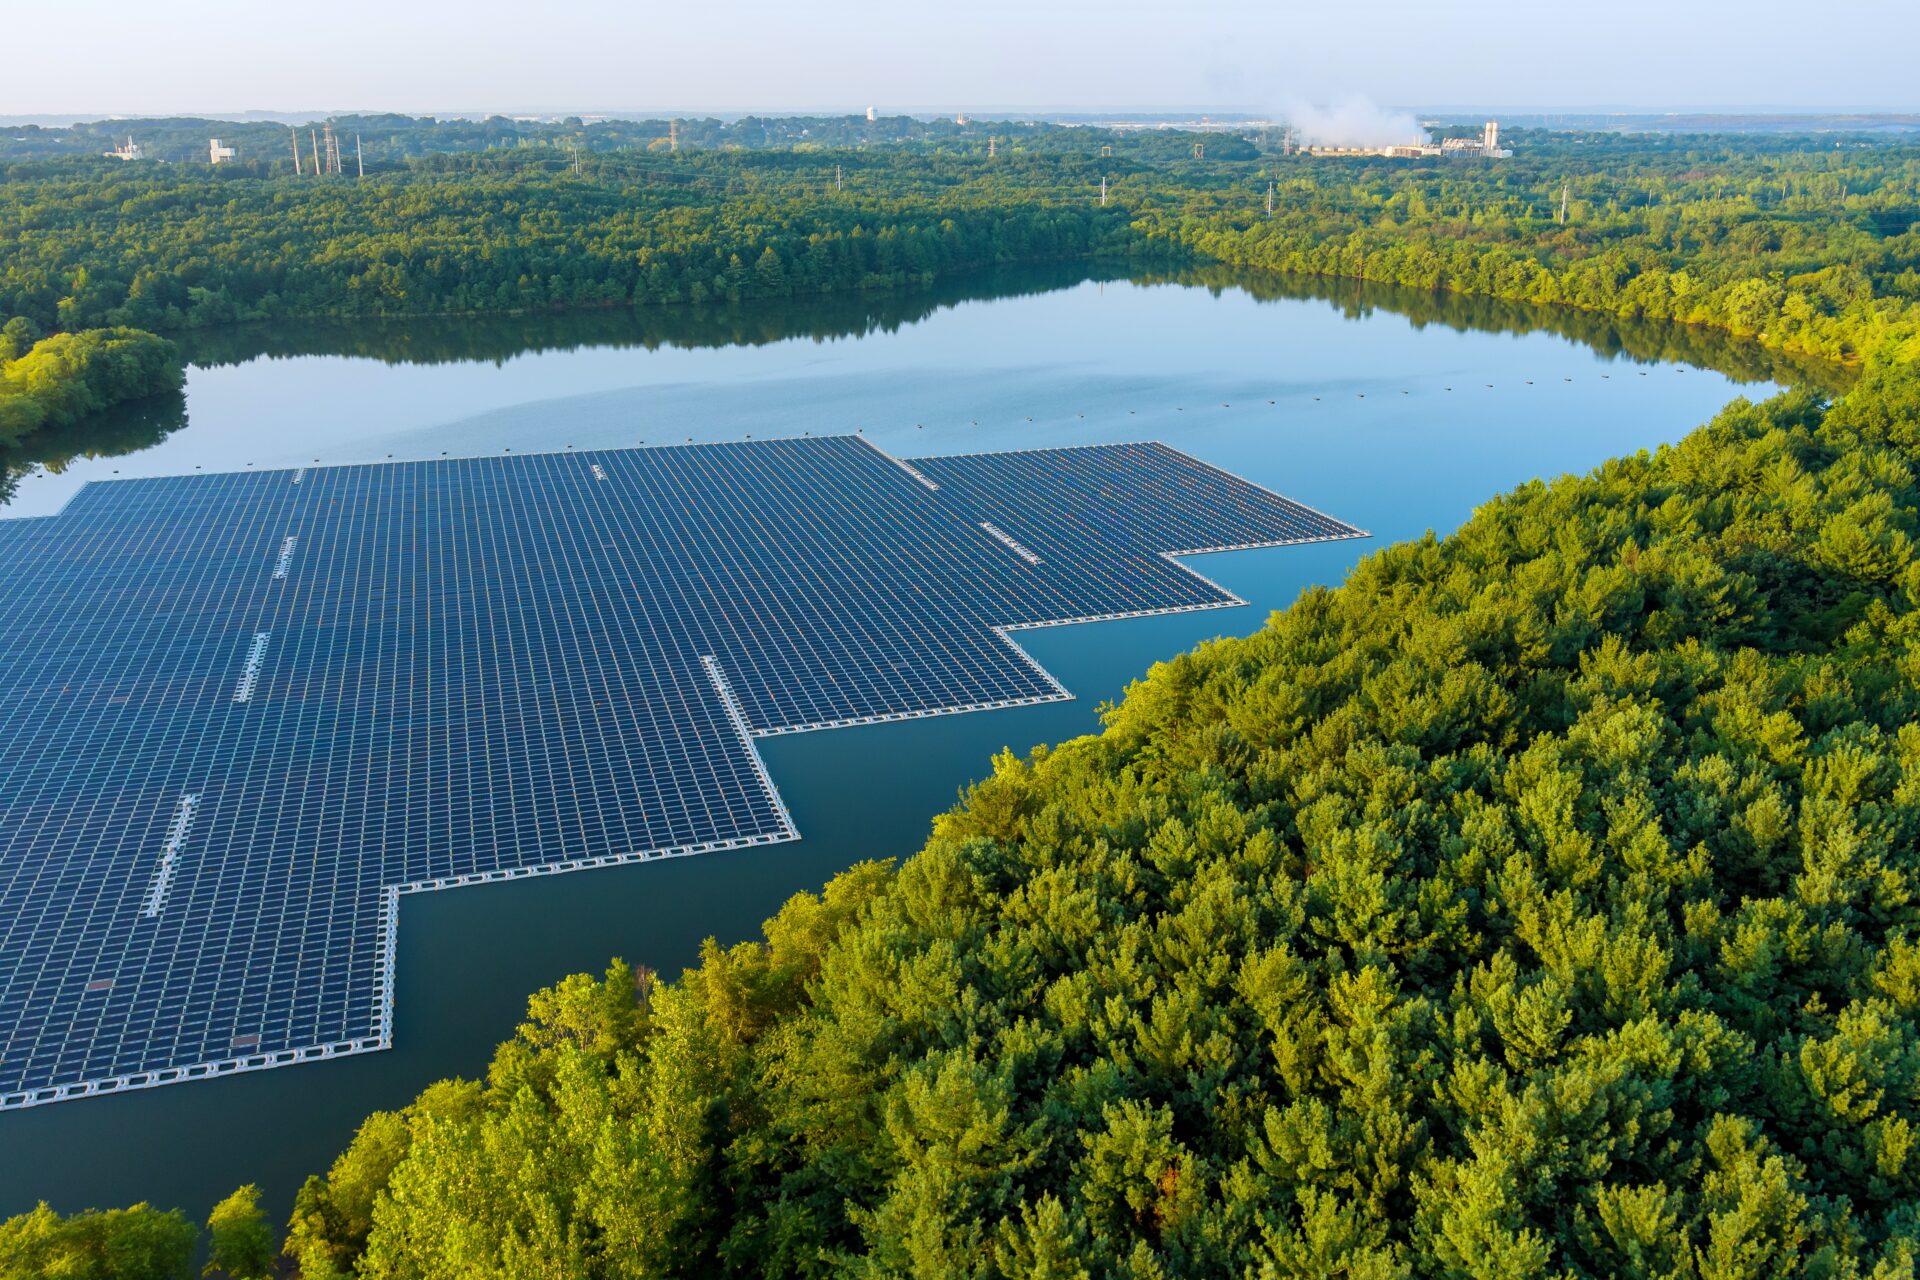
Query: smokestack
x: 1490, y: 137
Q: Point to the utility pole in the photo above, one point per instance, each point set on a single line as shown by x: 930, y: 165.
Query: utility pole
x: 1269, y: 199
x: 1199, y: 151
x: 1563, y: 202
x: 359, y: 161
x: 294, y: 134
x: 673, y: 135
x: 1103, y: 191
x: 313, y: 140
x: 991, y: 140
x: 837, y: 178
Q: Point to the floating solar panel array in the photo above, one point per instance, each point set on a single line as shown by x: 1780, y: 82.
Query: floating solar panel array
x: 241, y: 714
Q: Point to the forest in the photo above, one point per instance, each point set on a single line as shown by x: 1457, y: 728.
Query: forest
x: 1543, y: 900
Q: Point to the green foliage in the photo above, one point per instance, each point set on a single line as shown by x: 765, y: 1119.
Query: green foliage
x: 140, y: 1243
x: 332, y: 1216
x: 173, y: 247
x: 1795, y: 243
x: 61, y: 380
x: 1542, y: 901
x: 241, y: 1242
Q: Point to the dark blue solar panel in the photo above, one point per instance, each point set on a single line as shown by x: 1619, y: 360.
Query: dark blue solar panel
x: 242, y: 713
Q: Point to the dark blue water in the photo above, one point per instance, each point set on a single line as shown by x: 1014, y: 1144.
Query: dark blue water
x: 1395, y: 425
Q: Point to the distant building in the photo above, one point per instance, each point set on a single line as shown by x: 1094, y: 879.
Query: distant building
x: 130, y: 150
x: 871, y: 117
x: 1487, y: 145
x: 217, y: 154
x: 961, y: 119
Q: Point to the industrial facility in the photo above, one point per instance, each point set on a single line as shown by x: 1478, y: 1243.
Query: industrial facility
x: 1486, y: 145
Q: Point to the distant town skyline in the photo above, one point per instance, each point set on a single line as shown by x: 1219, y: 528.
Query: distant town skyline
x: 227, y: 57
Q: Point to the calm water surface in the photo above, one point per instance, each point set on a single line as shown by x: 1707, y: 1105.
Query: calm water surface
x: 1398, y: 413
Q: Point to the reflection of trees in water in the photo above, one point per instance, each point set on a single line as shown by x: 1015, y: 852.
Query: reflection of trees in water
x: 830, y: 317
x: 125, y: 428
x: 1610, y: 335
x: 494, y: 338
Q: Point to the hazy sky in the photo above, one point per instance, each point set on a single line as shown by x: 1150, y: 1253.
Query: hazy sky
x: 160, y: 56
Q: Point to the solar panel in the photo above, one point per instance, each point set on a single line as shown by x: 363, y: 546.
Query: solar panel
x: 244, y: 713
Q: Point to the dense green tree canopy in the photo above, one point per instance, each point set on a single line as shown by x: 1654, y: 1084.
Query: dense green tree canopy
x: 62, y: 380
x: 140, y: 1243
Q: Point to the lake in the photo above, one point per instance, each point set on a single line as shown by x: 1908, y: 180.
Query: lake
x: 1396, y: 411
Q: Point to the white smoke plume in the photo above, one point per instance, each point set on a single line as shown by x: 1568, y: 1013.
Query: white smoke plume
x: 1355, y: 121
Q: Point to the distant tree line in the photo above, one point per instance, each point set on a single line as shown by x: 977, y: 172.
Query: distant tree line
x: 387, y: 140
x: 170, y: 248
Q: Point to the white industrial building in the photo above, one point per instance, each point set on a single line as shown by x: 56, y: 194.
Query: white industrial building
x: 1487, y: 145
